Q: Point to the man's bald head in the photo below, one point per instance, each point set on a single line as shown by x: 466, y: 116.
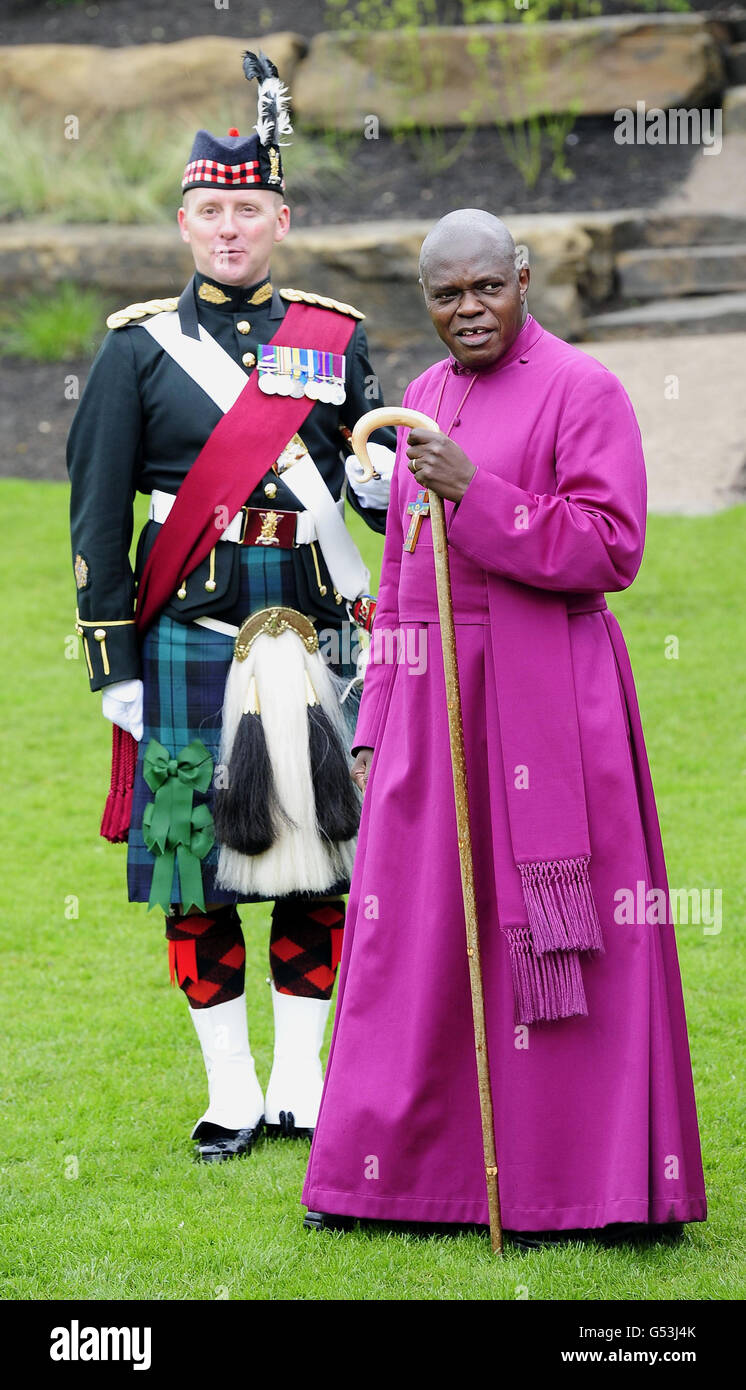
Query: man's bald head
x: 467, y: 227
x: 474, y: 285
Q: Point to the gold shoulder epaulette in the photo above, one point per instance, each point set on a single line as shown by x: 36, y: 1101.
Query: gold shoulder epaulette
x: 300, y: 297
x: 133, y: 312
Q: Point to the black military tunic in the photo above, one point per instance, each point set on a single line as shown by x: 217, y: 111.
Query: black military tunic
x: 140, y: 425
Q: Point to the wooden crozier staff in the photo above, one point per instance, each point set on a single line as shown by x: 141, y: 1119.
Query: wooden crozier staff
x: 415, y: 419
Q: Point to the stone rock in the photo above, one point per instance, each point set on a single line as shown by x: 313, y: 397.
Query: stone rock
x: 371, y: 265
x: 561, y: 259
x: 124, y: 263
x: 374, y: 265
x: 604, y: 230
x: 735, y: 62
x: 681, y: 270
x: 445, y: 77
x: 656, y: 228
x: 192, y: 77
x: 716, y: 313
x: 734, y: 111
x: 720, y: 29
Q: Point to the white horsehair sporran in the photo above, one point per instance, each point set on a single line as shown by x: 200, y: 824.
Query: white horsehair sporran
x: 286, y: 809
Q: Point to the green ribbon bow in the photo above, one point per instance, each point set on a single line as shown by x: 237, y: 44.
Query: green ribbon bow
x: 174, y: 830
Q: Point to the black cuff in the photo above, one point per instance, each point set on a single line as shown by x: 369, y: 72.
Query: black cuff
x: 111, y: 651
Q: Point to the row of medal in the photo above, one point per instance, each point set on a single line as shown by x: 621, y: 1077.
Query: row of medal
x: 290, y: 371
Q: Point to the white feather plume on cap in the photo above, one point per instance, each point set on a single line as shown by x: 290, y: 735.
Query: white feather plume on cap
x: 272, y: 99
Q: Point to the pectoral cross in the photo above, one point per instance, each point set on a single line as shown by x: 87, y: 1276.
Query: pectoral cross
x: 418, y: 510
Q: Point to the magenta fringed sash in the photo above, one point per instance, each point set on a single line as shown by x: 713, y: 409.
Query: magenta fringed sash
x: 548, y: 913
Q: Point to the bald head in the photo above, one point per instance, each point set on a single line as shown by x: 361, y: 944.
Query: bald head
x: 474, y: 285
x: 461, y: 230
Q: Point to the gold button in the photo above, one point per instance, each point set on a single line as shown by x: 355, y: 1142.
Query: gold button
x: 248, y: 359
x: 243, y: 326
x: 100, y: 634
x: 181, y: 593
x: 270, y: 489
x: 210, y: 586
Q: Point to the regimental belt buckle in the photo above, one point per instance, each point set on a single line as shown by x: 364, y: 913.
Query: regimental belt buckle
x: 268, y: 530
x: 268, y: 527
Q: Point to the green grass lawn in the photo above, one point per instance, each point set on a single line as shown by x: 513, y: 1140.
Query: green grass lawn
x: 102, y: 1075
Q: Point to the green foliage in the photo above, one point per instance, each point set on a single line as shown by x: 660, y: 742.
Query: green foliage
x: 435, y: 149
x: 538, y: 11
x: 58, y: 326
x: 372, y: 15
x: 124, y: 169
x: 535, y: 11
x: 524, y: 140
x: 101, y: 1063
x: 314, y: 167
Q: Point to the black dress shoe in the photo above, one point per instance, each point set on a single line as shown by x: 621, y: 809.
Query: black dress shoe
x: 214, y: 1143
x: 287, y: 1128
x: 618, y: 1232
x: 538, y: 1240
x: 613, y: 1234
x: 332, y: 1221
x: 327, y: 1221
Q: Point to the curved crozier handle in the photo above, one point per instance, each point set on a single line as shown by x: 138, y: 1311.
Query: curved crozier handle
x: 374, y: 420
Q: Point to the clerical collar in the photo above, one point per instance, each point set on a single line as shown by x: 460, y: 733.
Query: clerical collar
x: 525, y: 339
x: 232, y: 298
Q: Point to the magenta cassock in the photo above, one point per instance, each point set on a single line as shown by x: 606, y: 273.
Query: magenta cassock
x: 595, y: 1116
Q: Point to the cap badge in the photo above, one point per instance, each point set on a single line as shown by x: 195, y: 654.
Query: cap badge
x: 274, y: 165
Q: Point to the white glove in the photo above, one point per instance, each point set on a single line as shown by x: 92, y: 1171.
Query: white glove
x: 122, y: 704
x: 376, y: 492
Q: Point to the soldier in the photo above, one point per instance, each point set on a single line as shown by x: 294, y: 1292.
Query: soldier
x: 244, y: 394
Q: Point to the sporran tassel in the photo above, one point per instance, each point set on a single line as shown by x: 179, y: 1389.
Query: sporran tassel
x: 247, y: 809
x: 336, y: 797
x: 312, y: 811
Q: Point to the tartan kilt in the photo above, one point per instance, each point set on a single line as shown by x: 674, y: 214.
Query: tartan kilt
x: 184, y: 673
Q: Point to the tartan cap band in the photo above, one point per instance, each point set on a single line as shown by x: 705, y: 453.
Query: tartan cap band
x: 209, y: 173
x: 233, y: 161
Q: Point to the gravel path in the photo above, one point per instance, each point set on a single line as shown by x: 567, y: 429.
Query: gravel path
x: 695, y: 442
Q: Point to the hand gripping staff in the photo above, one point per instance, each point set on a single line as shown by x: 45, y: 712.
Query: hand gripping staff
x: 414, y: 419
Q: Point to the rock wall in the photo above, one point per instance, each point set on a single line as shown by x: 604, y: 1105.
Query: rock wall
x: 440, y: 77
x: 196, y: 75
x: 372, y: 265
x: 481, y: 74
